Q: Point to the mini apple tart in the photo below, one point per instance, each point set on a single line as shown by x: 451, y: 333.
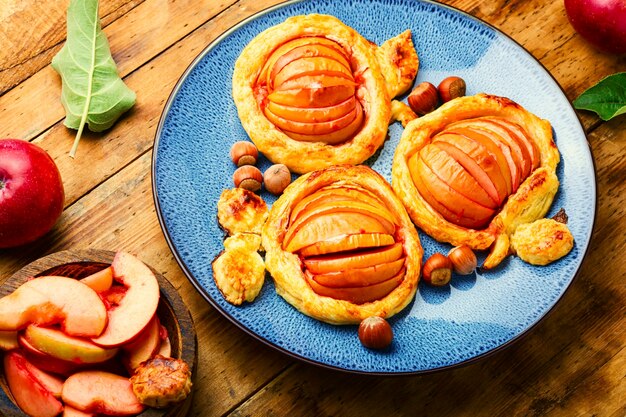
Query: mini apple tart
x: 341, y: 247
x: 311, y: 92
x: 474, y: 170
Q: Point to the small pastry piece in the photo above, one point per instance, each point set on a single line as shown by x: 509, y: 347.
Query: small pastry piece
x: 542, y: 241
x: 312, y: 92
x: 239, y: 275
x: 247, y: 242
x: 340, y: 246
x: 474, y: 170
x: 161, y: 381
x: 241, y: 211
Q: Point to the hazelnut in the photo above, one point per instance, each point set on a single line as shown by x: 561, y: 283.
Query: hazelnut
x: 248, y: 177
x: 276, y: 178
x: 375, y: 333
x: 451, y: 88
x: 463, y: 260
x: 437, y: 270
x: 423, y: 99
x: 244, y: 153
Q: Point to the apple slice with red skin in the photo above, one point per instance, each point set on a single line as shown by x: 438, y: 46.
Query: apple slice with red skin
x: 50, y: 300
x: 166, y: 348
x: 347, y: 206
x: 8, y: 340
x: 347, y: 243
x: 101, y: 392
x: 335, y: 194
x: 358, y: 295
x: 492, y: 149
x: 336, y: 137
x: 332, y: 225
x: 360, y: 277
x: 46, y: 362
x: 305, y: 128
x: 72, y: 412
x: 310, y: 66
x: 313, y: 115
x: 428, y: 195
x: 477, y: 162
x: 520, y: 134
x: 309, y: 51
x: 313, y: 97
x: 68, y: 348
x: 281, y: 50
x: 99, y: 281
x: 144, y: 347
x: 362, y: 259
x: 50, y: 382
x: 325, y: 79
x: 451, y: 199
x: 453, y: 173
x: 138, y: 305
x: 29, y: 394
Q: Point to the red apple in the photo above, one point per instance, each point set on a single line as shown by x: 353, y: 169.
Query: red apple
x: 601, y: 22
x: 31, y: 192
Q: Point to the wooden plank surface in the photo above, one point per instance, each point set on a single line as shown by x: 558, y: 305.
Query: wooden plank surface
x: 572, y: 364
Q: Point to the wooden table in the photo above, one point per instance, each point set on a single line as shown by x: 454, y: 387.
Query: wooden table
x: 572, y: 364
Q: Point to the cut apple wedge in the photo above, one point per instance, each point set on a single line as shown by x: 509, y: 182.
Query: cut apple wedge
x: 144, y: 347
x: 50, y: 382
x: 347, y: 243
x: 336, y: 137
x: 68, y: 348
x: 101, y: 393
x: 358, y: 295
x: 138, y: 305
x: 453, y: 173
x: 29, y: 393
x: 8, y: 340
x: 166, y: 348
x: 362, y: 259
x: 520, y: 134
x: 72, y: 412
x: 347, y: 206
x: 313, y: 97
x: 316, y: 128
x: 332, y: 225
x: 360, y: 277
x: 479, y: 164
x: 309, y: 51
x: 455, y: 202
x: 45, y: 362
x: 99, y: 281
x: 50, y: 300
x: 312, y: 115
x: 310, y: 66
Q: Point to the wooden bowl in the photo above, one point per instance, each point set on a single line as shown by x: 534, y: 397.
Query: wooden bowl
x: 172, y: 313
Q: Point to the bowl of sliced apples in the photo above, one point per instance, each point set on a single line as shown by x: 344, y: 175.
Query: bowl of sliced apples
x: 94, y: 332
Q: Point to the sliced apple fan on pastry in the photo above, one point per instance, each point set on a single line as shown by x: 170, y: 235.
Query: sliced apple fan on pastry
x: 311, y: 92
x: 341, y: 247
x: 474, y: 170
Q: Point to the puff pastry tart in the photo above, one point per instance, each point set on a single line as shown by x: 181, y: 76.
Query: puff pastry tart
x: 475, y: 169
x: 341, y: 247
x: 311, y: 92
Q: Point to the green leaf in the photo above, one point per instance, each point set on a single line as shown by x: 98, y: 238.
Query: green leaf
x: 607, y: 98
x: 92, y: 91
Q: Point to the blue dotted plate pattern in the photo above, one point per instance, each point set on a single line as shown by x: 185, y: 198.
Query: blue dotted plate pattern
x: 442, y: 327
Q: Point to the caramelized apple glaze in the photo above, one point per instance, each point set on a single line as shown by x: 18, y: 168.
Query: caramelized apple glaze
x: 471, y: 167
x: 348, y: 244
x: 307, y: 89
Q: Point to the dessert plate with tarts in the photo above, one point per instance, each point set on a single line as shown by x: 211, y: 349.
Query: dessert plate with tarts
x: 441, y: 327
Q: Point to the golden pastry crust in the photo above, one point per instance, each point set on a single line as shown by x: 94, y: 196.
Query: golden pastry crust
x: 161, y: 381
x: 542, y: 241
x: 239, y: 274
x: 531, y: 201
x: 241, y: 211
x: 287, y: 269
x: 372, y: 79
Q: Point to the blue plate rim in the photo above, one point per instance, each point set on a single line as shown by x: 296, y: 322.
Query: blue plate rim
x: 287, y: 352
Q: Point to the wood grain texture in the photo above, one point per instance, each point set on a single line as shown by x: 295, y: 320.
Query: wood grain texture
x: 571, y: 364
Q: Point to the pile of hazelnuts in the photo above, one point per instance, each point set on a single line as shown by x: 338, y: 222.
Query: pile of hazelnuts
x: 425, y: 97
x: 245, y: 155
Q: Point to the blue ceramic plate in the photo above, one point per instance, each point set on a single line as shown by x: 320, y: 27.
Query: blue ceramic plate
x: 443, y: 327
